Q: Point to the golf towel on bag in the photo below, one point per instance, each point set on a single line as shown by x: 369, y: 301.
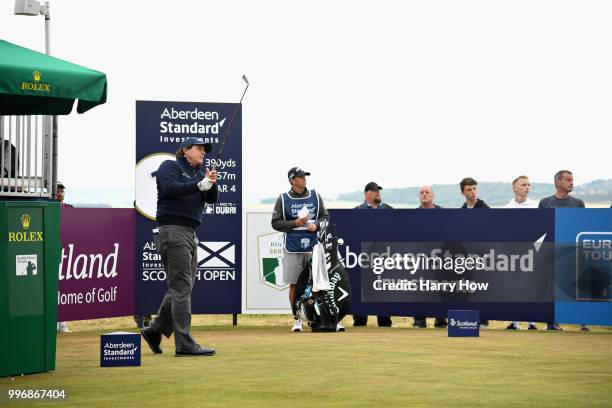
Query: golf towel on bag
x: 320, y: 279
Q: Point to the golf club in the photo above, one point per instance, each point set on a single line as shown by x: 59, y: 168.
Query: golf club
x: 229, y: 126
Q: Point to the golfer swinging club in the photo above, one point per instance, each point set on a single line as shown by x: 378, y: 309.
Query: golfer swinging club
x: 184, y: 186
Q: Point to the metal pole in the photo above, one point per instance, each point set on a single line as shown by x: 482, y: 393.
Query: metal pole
x: 235, y: 320
x: 47, y: 23
x: 10, y: 152
x: 17, y: 150
x: 36, y: 120
x: 47, y: 12
x: 22, y: 158
x: 2, y: 148
x: 47, y: 154
x: 29, y: 150
x: 54, y: 153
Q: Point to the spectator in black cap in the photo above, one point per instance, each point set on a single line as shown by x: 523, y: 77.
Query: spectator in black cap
x: 372, y: 197
x: 61, y: 190
x: 184, y: 187
x: 372, y: 200
x: 62, y: 327
x: 298, y: 213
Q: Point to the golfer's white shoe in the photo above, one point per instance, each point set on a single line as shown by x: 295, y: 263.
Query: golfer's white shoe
x: 297, y: 326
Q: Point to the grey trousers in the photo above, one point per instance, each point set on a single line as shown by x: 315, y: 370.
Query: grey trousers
x: 177, y: 246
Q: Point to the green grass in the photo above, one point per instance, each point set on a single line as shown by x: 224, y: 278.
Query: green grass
x: 268, y: 366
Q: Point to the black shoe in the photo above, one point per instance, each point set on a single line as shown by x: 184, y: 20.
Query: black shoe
x: 440, y: 323
x: 532, y: 327
x: 512, y: 326
x: 584, y: 328
x: 360, y: 320
x: 153, y: 339
x: 384, y: 321
x: 554, y: 326
x: 202, y: 351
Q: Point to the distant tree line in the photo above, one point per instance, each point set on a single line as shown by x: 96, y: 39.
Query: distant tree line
x: 495, y: 194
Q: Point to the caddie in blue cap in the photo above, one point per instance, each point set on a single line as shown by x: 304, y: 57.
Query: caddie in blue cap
x: 298, y: 214
x: 184, y: 187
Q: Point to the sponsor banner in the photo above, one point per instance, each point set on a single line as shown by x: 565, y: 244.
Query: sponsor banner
x: 160, y: 128
x: 264, y: 290
x: 511, y: 276
x: 583, y: 266
x: 463, y: 323
x: 96, y: 271
x: 25, y: 247
x: 120, y: 349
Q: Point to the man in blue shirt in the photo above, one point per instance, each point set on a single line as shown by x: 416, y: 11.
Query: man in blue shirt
x: 426, y: 201
x: 564, y: 184
x: 184, y: 187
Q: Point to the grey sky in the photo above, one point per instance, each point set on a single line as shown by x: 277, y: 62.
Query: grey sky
x: 404, y: 93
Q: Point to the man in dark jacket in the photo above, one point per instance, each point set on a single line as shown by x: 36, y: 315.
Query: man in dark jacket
x: 61, y: 195
x: 184, y: 187
x: 469, y: 189
x: 372, y: 200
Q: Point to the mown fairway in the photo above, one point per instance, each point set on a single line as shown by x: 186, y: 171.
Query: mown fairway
x: 260, y: 363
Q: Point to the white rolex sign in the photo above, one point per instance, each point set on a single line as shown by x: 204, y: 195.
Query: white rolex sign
x: 26, y: 265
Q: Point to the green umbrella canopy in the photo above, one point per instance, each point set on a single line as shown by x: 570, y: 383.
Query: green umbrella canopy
x: 32, y: 83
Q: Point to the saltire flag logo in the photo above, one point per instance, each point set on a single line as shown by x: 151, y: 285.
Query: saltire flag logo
x: 216, y: 255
